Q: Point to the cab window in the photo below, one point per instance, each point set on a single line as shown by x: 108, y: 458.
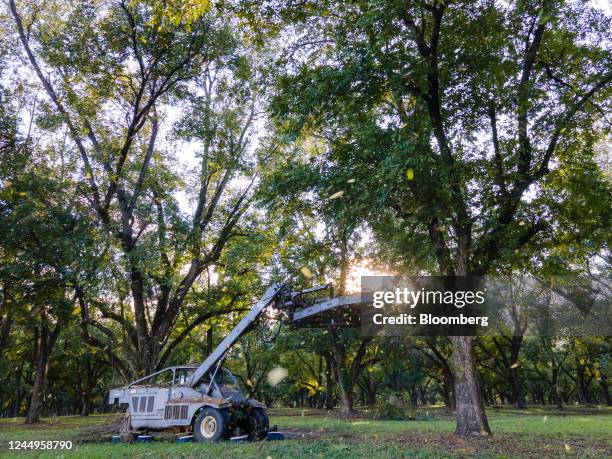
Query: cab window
x: 182, y: 376
x: 164, y: 378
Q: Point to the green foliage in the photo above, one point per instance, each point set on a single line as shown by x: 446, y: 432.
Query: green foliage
x: 364, y: 91
x: 392, y: 406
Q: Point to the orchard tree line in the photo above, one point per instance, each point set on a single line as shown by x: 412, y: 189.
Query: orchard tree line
x: 162, y: 162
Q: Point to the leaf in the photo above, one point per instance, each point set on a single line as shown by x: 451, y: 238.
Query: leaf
x: 350, y: 180
x: 336, y: 195
x: 514, y: 365
x: 276, y: 375
x: 306, y: 272
x: 410, y: 174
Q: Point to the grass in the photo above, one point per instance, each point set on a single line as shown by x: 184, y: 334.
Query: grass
x: 545, y: 421
x: 536, y: 432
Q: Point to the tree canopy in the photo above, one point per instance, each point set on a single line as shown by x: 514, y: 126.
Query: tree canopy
x: 161, y: 162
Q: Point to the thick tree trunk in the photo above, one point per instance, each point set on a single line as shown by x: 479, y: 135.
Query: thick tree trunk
x: 33, y: 416
x: 518, y: 397
x: 518, y: 393
x: 342, y: 378
x: 471, y: 418
x: 47, y: 342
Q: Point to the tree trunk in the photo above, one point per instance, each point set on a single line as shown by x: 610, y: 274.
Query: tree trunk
x: 449, y: 390
x: 41, y: 370
x: 346, y: 396
x: 554, y: 389
x: 85, y: 408
x: 47, y: 342
x: 471, y: 418
x: 581, y: 386
x: 423, y: 395
x: 518, y: 393
x: 371, y: 397
x: 338, y: 349
x: 604, y: 387
x: 342, y: 378
x: 413, y: 396
x: 446, y: 395
x: 518, y: 397
x: 329, y: 396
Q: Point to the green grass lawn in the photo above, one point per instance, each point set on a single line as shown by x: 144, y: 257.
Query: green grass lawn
x: 536, y: 432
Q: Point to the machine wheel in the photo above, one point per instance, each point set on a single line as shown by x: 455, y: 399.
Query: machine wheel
x: 260, y: 424
x: 210, y: 425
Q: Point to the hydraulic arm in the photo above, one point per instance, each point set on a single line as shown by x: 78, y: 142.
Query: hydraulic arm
x: 300, y: 309
x: 271, y: 295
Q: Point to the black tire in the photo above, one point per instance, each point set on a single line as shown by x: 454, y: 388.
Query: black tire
x: 210, y: 425
x: 260, y: 424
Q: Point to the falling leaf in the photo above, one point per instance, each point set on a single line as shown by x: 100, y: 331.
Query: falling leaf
x: 350, y: 180
x: 276, y: 375
x: 545, y: 418
x: 521, y: 223
x: 336, y: 195
x: 410, y: 173
x: 514, y: 365
x: 567, y: 448
x: 440, y: 229
x: 306, y: 272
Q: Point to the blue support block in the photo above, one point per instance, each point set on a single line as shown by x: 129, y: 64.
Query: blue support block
x: 185, y: 439
x: 144, y: 439
x: 116, y: 439
x: 274, y: 436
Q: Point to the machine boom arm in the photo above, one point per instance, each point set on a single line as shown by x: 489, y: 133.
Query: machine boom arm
x: 268, y: 298
x: 300, y: 311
